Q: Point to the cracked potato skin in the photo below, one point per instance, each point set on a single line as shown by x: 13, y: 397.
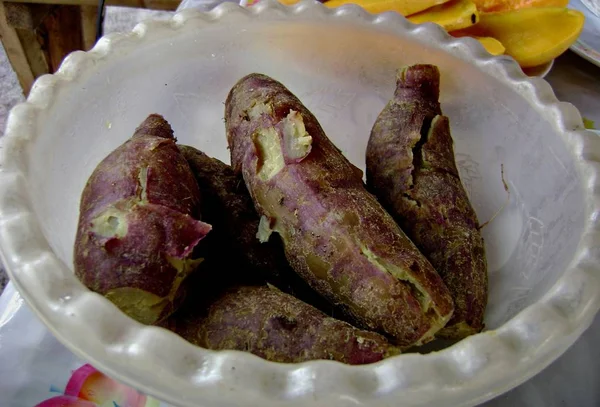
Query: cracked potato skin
x: 336, y: 235
x: 412, y: 170
x: 277, y: 327
x: 228, y: 207
x: 138, y: 224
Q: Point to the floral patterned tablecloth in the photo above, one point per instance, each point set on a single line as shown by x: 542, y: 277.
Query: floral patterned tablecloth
x: 37, y: 371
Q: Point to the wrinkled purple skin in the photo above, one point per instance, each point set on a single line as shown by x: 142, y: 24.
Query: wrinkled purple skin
x: 277, y: 327
x: 327, y: 220
x: 411, y: 169
x: 228, y: 207
x: 162, y: 221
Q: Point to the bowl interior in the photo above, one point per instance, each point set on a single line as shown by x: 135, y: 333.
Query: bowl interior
x: 345, y: 75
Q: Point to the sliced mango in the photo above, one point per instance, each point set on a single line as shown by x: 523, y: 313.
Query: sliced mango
x: 532, y: 36
x: 284, y: 2
x: 506, y: 5
x: 492, y: 45
x: 454, y: 15
x: 404, y: 7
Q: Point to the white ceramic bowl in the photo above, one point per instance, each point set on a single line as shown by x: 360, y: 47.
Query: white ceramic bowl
x: 543, y: 248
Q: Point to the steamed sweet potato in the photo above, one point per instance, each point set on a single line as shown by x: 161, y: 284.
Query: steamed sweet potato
x: 336, y: 235
x: 228, y: 207
x: 277, y: 327
x: 138, y: 224
x: 411, y: 169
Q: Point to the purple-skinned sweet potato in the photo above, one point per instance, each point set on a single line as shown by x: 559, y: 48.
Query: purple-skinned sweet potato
x: 277, y: 327
x: 228, y: 207
x: 412, y: 170
x: 335, y: 233
x: 139, y: 223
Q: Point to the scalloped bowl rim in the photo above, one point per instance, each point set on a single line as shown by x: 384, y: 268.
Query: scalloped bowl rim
x: 163, y: 365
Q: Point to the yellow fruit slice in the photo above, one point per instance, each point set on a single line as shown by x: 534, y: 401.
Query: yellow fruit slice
x: 404, y: 7
x: 505, y: 5
x: 284, y: 2
x: 532, y: 36
x: 453, y: 15
x: 492, y: 45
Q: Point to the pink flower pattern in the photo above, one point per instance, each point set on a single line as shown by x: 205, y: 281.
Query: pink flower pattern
x: 88, y: 387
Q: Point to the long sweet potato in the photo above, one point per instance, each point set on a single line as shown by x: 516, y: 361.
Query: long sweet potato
x: 277, y: 327
x: 411, y: 169
x: 228, y: 207
x: 138, y: 224
x: 336, y: 235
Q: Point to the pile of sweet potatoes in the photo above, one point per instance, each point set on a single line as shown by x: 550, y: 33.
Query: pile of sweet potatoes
x: 287, y: 253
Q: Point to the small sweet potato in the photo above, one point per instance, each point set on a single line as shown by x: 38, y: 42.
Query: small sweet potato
x: 138, y: 224
x: 228, y: 207
x: 277, y: 327
x: 336, y: 235
x: 412, y: 170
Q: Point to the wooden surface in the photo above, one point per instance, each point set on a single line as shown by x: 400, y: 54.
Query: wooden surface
x: 149, y: 4
x: 38, y: 34
x: 26, y: 19
x: 15, y: 52
x: 62, y: 34
x: 89, y: 15
x: 37, y: 37
x: 34, y: 51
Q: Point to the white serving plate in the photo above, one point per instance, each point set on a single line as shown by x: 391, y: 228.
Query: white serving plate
x: 588, y: 44
x: 543, y: 248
